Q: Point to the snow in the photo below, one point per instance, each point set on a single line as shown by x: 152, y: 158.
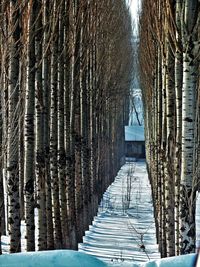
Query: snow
x: 180, y: 261
x: 56, y: 258
x: 122, y: 226
x: 69, y: 258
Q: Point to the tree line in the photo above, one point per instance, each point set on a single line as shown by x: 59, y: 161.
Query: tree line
x: 169, y: 64
x: 65, y: 74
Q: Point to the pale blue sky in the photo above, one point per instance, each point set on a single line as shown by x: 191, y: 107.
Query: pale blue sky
x: 134, y: 7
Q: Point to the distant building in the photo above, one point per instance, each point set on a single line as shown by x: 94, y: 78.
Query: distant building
x: 134, y: 141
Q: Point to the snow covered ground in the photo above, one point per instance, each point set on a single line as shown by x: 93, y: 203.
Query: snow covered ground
x: 124, y: 230
x: 122, y: 233
x: 69, y: 258
x: 55, y: 258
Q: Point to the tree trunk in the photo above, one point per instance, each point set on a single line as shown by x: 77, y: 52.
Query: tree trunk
x: 12, y: 144
x: 69, y: 110
x: 190, y: 72
x: 29, y: 138
x: 187, y: 209
x: 170, y: 123
x: 84, y: 123
x: 61, y: 134
x: 178, y: 93
x: 76, y: 131
x: 54, y: 134
x: 39, y: 129
x: 46, y: 102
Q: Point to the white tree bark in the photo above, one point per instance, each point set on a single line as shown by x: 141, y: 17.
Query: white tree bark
x: 190, y: 24
x: 178, y: 93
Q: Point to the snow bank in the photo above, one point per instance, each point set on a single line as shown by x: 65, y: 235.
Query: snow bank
x: 189, y: 260
x: 180, y: 261
x: 69, y: 258
x: 55, y: 258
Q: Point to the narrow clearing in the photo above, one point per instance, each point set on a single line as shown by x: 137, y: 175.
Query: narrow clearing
x: 124, y: 229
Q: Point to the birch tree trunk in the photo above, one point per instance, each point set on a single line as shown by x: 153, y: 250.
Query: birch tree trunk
x: 70, y: 116
x: 54, y: 134
x: 3, y: 75
x: 92, y: 114
x: 39, y: 129
x: 83, y: 121
x: 46, y: 101
x: 61, y: 133
x: 78, y: 176
x: 163, y: 148
x: 76, y: 130
x: 178, y: 93
x: 4, y: 109
x: 169, y: 179
x: 22, y: 85
x: 190, y: 24
x: 187, y: 211
x: 12, y: 144
x: 29, y: 138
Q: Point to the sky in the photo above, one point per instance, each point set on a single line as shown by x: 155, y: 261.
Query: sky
x: 134, y: 7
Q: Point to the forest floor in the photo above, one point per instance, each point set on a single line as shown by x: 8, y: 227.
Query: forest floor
x: 124, y: 230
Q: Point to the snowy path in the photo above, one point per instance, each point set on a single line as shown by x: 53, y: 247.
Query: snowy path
x: 124, y: 224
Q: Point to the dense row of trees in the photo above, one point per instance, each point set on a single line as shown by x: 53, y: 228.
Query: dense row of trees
x: 169, y: 62
x: 65, y: 73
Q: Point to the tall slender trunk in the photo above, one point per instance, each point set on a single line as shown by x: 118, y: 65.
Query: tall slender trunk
x: 21, y: 166
x: 29, y: 138
x: 2, y: 138
x: 190, y: 25
x: 61, y: 133
x: 187, y: 209
x: 12, y: 144
x: 39, y: 131
x: 22, y: 91
x: 158, y: 144
x: 89, y: 180
x: 46, y: 102
x: 76, y: 130
x: 54, y: 133
x: 69, y: 110
x: 92, y: 115
x: 84, y: 124
x: 163, y: 148
x: 170, y: 123
x: 178, y: 91
x: 4, y: 109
